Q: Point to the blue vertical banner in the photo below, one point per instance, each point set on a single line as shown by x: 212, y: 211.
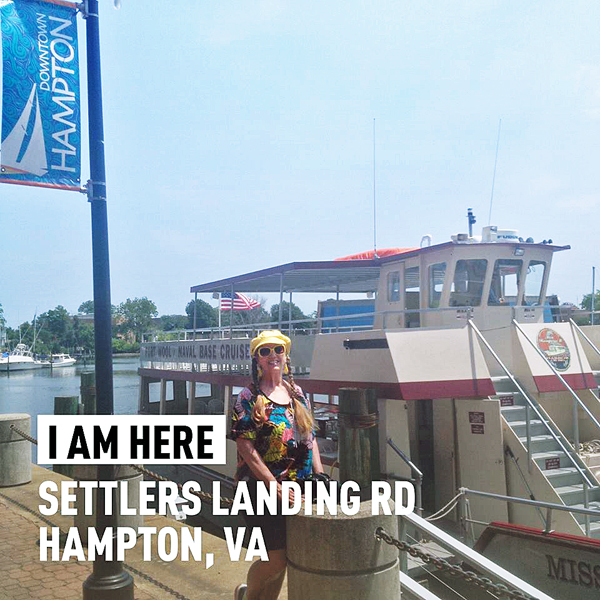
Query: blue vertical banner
x: 41, y: 129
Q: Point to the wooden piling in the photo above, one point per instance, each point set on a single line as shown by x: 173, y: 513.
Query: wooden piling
x: 359, y: 438
x: 88, y: 392
x: 65, y: 405
x: 180, y: 397
x: 162, y: 410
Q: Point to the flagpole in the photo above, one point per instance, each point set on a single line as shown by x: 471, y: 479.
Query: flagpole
x: 108, y: 580
x: 220, y: 332
x: 231, y: 314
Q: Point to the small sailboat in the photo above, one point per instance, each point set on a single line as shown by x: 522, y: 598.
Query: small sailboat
x: 24, y: 152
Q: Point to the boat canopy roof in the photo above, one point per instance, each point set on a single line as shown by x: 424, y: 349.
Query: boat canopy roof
x: 316, y: 276
x: 330, y: 276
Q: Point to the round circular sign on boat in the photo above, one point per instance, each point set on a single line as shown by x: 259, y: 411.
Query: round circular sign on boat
x: 555, y: 348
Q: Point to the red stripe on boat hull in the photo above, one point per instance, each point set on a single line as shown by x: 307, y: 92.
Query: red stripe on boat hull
x: 577, y: 381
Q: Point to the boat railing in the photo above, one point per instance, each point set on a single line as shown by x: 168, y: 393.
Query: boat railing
x: 571, y: 454
x: 579, y: 312
x: 326, y: 323
x: 322, y: 324
x: 467, y: 533
x: 577, y: 401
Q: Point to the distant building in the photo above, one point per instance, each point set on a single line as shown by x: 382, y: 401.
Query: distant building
x: 83, y: 318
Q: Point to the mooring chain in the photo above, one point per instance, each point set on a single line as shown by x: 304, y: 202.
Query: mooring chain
x: 24, y: 435
x: 206, y: 496
x: 591, y: 447
x: 483, y: 582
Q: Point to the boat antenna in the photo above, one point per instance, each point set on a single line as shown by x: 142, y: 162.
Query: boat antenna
x: 34, y: 330
x: 374, y: 200
x: 494, y: 177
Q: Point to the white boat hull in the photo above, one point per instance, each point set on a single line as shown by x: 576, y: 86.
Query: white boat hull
x: 62, y: 362
x: 9, y: 366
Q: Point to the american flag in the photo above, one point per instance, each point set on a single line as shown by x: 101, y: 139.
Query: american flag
x: 240, y: 302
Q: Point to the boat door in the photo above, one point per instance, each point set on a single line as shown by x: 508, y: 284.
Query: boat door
x: 425, y: 449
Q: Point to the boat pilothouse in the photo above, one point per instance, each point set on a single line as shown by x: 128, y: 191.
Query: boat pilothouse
x: 476, y: 381
x: 434, y: 285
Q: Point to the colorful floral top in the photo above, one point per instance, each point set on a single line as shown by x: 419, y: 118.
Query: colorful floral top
x: 287, y: 454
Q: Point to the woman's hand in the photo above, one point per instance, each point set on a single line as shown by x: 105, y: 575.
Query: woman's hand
x: 280, y: 493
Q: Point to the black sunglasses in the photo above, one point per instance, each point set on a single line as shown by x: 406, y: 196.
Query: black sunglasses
x: 265, y: 351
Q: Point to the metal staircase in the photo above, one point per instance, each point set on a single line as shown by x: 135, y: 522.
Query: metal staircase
x: 546, y: 445
x: 571, y: 479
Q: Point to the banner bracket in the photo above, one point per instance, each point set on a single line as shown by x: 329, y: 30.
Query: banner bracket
x: 96, y: 190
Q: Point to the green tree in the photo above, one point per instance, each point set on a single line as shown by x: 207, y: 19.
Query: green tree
x: 206, y: 315
x: 86, y: 308
x: 136, y: 316
x: 586, y: 304
x: 297, y: 315
x: 246, y: 317
x: 83, y: 336
x: 171, y: 322
x: 54, y: 328
x: 2, y: 319
x: 120, y: 346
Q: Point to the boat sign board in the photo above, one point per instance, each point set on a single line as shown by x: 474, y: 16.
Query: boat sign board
x: 476, y: 417
x: 216, y: 352
x: 555, y: 348
x: 559, y: 347
x: 41, y: 130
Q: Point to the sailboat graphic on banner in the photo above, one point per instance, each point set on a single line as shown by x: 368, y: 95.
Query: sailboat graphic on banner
x: 21, y: 153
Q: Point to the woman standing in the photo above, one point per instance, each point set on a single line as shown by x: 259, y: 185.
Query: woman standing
x: 273, y: 429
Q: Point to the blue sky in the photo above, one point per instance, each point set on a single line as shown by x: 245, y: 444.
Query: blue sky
x: 239, y: 135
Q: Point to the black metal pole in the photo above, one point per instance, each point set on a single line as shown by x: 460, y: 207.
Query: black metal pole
x: 108, y: 580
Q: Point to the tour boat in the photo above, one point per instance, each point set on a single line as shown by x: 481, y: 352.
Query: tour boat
x: 462, y: 351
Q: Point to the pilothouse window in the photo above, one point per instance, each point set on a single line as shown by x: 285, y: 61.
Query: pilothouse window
x: 437, y: 272
x: 504, y: 288
x: 412, y: 297
x: 533, y: 282
x: 394, y: 286
x: 467, y: 285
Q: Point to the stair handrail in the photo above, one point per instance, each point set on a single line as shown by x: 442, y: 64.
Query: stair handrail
x: 530, y: 402
x: 578, y: 400
x: 414, y: 470
x: 585, y: 337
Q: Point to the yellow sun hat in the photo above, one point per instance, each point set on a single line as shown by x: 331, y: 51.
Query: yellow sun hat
x: 270, y: 336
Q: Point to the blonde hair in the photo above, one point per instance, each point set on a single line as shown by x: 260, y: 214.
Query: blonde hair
x: 302, y: 415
